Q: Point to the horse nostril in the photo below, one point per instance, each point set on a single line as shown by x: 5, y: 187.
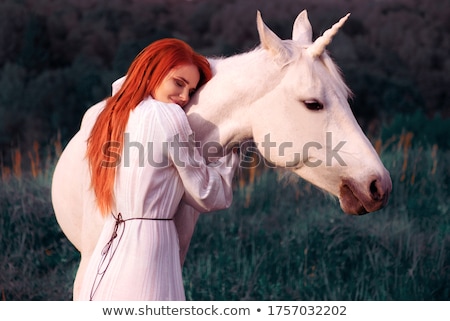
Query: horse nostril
x: 374, y: 191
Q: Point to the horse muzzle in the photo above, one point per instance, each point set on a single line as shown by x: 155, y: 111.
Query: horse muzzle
x: 362, y: 197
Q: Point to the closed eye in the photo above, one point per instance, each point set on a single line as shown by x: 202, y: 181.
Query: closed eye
x: 183, y: 83
x: 313, y: 104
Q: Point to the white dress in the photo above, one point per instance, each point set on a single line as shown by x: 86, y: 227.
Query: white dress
x: 137, y: 255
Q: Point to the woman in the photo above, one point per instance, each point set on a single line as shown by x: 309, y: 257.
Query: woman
x: 143, y: 162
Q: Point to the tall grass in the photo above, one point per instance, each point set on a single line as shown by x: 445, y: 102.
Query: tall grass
x: 36, y: 260
x: 282, y: 239
x: 292, y: 242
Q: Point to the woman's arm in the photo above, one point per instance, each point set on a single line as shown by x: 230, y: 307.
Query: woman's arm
x: 207, y: 187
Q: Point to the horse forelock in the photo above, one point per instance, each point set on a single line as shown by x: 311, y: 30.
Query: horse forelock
x: 297, y: 52
x: 337, y: 75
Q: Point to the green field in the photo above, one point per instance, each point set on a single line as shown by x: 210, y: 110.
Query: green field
x: 282, y: 239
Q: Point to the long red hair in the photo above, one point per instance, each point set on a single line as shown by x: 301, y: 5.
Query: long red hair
x: 145, y: 74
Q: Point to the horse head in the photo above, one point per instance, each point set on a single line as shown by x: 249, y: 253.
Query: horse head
x: 305, y: 123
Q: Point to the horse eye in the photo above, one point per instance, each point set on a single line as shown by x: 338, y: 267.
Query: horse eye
x: 313, y: 105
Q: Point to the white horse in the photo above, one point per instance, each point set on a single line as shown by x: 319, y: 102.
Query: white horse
x: 286, y: 95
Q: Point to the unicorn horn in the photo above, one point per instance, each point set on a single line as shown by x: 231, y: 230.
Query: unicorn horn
x: 318, y: 47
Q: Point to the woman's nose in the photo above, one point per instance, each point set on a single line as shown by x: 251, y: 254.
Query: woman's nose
x: 184, y: 95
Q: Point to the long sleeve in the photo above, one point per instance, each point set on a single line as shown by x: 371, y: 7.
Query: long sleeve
x: 207, y: 187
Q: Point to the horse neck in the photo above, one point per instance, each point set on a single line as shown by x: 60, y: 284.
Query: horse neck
x: 222, y: 110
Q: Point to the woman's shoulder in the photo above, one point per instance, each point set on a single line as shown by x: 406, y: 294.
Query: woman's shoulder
x: 172, y: 117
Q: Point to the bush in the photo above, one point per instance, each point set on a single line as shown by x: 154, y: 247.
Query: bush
x: 425, y: 130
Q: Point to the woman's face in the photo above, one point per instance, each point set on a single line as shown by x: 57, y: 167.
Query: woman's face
x: 178, y: 86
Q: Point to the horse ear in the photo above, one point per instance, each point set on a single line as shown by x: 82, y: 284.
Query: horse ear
x: 271, y: 42
x: 302, y: 30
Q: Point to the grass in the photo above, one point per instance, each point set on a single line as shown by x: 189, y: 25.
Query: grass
x: 292, y: 242
x: 281, y: 239
x: 36, y: 260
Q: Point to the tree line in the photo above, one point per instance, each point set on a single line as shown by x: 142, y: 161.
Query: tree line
x: 57, y: 58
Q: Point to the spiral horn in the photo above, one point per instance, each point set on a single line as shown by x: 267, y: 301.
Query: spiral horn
x: 318, y: 47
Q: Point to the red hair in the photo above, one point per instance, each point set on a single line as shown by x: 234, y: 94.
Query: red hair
x: 145, y: 74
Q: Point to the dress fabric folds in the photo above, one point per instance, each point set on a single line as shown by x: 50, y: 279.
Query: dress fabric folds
x: 137, y: 255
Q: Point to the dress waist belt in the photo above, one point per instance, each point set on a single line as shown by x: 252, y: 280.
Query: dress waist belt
x: 107, y: 249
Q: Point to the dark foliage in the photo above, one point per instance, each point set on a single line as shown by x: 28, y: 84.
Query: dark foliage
x: 59, y: 58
